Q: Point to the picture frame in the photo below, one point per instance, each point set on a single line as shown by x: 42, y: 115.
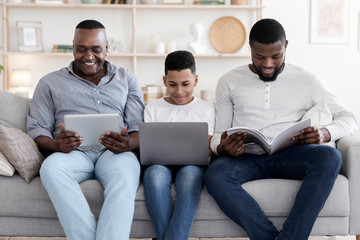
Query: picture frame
x: 29, y: 35
x: 174, y: 2
x: 329, y: 21
x: 359, y: 31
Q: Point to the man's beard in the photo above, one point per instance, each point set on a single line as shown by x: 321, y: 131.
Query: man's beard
x: 273, y: 77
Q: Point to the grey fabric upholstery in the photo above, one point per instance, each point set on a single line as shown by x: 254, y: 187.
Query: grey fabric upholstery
x: 13, y: 110
x: 26, y: 210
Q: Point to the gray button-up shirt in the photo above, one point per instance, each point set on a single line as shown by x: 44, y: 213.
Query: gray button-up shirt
x: 63, y: 92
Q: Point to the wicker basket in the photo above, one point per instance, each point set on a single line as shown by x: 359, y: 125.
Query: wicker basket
x: 227, y: 35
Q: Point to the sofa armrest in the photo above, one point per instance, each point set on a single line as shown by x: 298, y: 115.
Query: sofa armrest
x: 349, y: 148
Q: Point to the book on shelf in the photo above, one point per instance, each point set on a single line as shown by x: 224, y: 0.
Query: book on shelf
x: 62, y: 48
x: 281, y: 141
x: 209, y: 2
x: 113, y: 2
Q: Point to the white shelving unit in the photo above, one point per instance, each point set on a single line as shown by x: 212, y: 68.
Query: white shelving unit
x: 132, y: 23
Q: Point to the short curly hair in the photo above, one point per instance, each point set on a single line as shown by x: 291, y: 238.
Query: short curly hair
x: 180, y: 60
x: 267, y: 31
x: 90, y: 24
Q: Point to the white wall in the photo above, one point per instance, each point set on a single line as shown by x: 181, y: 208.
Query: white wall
x: 337, y: 64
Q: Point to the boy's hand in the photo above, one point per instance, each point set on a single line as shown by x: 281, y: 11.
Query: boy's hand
x: 120, y: 142
x: 313, y: 135
x: 232, y: 145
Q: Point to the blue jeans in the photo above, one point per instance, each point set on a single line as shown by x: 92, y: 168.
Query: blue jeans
x: 172, y: 223
x: 316, y: 165
x: 119, y: 174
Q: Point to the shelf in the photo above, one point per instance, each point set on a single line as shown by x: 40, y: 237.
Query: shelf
x: 69, y: 5
x: 139, y: 55
x: 131, y: 6
x: 54, y: 54
x: 137, y: 29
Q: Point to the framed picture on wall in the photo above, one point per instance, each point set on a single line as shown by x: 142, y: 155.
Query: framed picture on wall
x: 329, y: 21
x: 29, y: 36
x: 358, y: 31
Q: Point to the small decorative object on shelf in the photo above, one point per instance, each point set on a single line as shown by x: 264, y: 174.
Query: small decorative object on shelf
x: 239, y: 2
x: 109, y: 1
x: 160, y: 48
x: 49, y: 1
x: 152, y: 92
x: 197, y: 31
x: 207, y: 95
x: 29, y: 36
x: 62, y: 48
x: 227, y: 35
x: 173, y: 2
x: 14, y: 1
x: 148, y: 1
x: 170, y: 46
x: 115, y: 46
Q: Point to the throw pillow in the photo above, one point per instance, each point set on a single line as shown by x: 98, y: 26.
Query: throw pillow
x: 6, y: 169
x: 320, y: 115
x: 21, y: 151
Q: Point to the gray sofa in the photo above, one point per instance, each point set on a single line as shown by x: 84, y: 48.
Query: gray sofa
x: 26, y: 210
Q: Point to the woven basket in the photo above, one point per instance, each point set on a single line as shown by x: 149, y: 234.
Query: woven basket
x: 227, y: 35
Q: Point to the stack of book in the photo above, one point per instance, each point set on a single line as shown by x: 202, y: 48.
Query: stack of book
x: 152, y: 92
x: 209, y: 2
x: 62, y: 48
x: 113, y: 2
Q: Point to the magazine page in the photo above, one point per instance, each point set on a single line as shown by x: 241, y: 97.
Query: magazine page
x: 254, y: 135
x: 283, y: 139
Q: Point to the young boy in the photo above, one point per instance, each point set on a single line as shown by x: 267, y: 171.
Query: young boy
x: 174, y: 223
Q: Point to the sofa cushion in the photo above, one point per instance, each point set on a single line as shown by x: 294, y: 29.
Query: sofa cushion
x: 276, y: 197
x: 21, y: 151
x: 31, y: 200
x: 6, y: 169
x: 13, y: 110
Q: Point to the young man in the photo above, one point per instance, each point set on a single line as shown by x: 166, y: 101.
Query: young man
x: 174, y: 222
x: 90, y: 84
x: 270, y: 95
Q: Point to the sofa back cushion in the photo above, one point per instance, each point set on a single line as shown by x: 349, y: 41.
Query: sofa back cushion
x: 13, y: 110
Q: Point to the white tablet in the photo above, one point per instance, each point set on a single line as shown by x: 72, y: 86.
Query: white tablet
x: 91, y: 126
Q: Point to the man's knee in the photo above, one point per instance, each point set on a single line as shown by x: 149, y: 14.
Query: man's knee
x: 334, y: 160
x: 328, y: 159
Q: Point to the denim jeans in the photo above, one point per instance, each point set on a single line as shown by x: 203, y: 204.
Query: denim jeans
x: 119, y: 174
x: 316, y: 165
x: 172, y: 222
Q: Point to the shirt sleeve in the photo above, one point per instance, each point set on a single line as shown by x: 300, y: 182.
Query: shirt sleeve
x: 211, y: 120
x: 224, y: 112
x: 148, y: 114
x: 40, y: 119
x: 344, y: 122
x: 134, y: 105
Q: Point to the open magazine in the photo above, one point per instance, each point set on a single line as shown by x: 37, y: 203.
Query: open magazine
x: 280, y: 141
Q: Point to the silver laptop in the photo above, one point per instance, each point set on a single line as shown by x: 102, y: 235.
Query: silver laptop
x: 91, y: 126
x: 174, y: 143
